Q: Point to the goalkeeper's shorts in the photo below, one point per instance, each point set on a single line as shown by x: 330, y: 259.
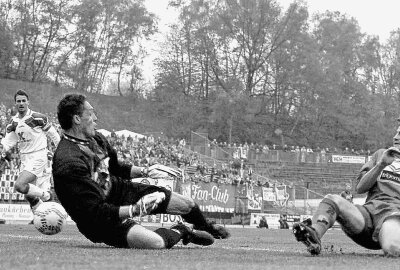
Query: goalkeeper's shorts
x: 126, y: 193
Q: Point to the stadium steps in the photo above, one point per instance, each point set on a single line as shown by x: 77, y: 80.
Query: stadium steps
x: 321, y: 178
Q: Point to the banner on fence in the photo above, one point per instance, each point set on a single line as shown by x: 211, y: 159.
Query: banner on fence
x: 18, y: 212
x: 254, y: 194
x: 348, y: 159
x: 15, y: 212
x: 212, y: 197
x: 168, y: 218
x: 268, y: 194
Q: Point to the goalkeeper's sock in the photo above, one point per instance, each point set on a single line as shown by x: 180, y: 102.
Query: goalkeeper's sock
x: 196, y: 217
x: 325, y: 216
x: 170, y: 237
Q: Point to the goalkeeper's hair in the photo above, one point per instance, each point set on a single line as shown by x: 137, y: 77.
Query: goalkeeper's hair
x: 70, y: 105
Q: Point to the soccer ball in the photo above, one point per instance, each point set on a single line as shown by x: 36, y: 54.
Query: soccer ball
x: 49, y: 218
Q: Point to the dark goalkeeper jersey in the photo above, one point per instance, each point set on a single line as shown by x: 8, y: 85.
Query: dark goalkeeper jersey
x: 84, y: 173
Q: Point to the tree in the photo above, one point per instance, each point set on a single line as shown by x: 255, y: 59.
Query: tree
x: 37, y: 26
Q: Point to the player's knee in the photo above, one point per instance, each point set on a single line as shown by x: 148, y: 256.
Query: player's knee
x: 337, y: 200
x: 185, y: 202
x: 191, y: 203
x: 150, y: 243
x: 391, y: 247
x: 21, y: 187
x: 333, y: 197
x: 389, y: 237
x: 156, y: 244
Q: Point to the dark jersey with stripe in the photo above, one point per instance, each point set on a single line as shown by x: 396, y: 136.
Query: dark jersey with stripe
x: 84, y: 172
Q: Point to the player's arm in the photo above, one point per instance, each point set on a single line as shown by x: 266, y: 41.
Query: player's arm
x: 53, y: 135
x: 10, y: 140
x: 145, y: 206
x: 42, y: 121
x: 368, y: 175
x: 372, y: 170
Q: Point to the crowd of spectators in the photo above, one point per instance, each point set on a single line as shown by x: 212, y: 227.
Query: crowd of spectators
x: 173, y: 152
x: 265, y: 148
x: 145, y: 152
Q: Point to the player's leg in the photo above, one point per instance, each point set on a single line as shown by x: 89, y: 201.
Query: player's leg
x: 142, y: 238
x: 32, y: 167
x: 389, y: 236
x: 44, y: 182
x: 149, y: 199
x: 191, y: 213
x: 23, y: 181
x: 171, y: 203
x: 25, y: 184
x: 336, y: 208
x: 332, y: 208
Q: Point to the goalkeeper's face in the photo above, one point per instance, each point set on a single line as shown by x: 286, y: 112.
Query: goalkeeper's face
x: 88, y: 120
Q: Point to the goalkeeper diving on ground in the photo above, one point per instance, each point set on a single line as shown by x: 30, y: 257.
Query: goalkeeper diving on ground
x: 96, y: 191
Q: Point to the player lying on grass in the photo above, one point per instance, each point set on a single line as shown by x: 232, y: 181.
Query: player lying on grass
x: 94, y: 188
x: 374, y: 225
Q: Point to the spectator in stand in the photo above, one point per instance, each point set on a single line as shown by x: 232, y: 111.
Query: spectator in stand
x: 297, y: 150
x: 283, y: 223
x: 263, y: 223
x: 5, y: 160
x: 213, y: 148
x: 265, y: 149
x: 323, y: 155
x: 303, y: 152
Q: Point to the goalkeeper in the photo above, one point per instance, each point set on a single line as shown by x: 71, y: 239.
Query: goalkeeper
x: 92, y: 186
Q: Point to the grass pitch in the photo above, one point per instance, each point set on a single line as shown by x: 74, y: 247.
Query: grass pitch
x: 23, y: 247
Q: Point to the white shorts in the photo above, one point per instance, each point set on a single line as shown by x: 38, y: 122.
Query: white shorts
x: 36, y: 164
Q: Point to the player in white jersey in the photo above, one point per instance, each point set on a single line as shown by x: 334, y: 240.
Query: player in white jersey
x: 28, y: 129
x: 373, y: 225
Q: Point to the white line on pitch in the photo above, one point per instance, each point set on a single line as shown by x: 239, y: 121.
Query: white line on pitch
x: 258, y: 249
x: 39, y: 237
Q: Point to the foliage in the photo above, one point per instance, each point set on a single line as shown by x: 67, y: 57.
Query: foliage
x: 237, y: 70
x: 261, y: 68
